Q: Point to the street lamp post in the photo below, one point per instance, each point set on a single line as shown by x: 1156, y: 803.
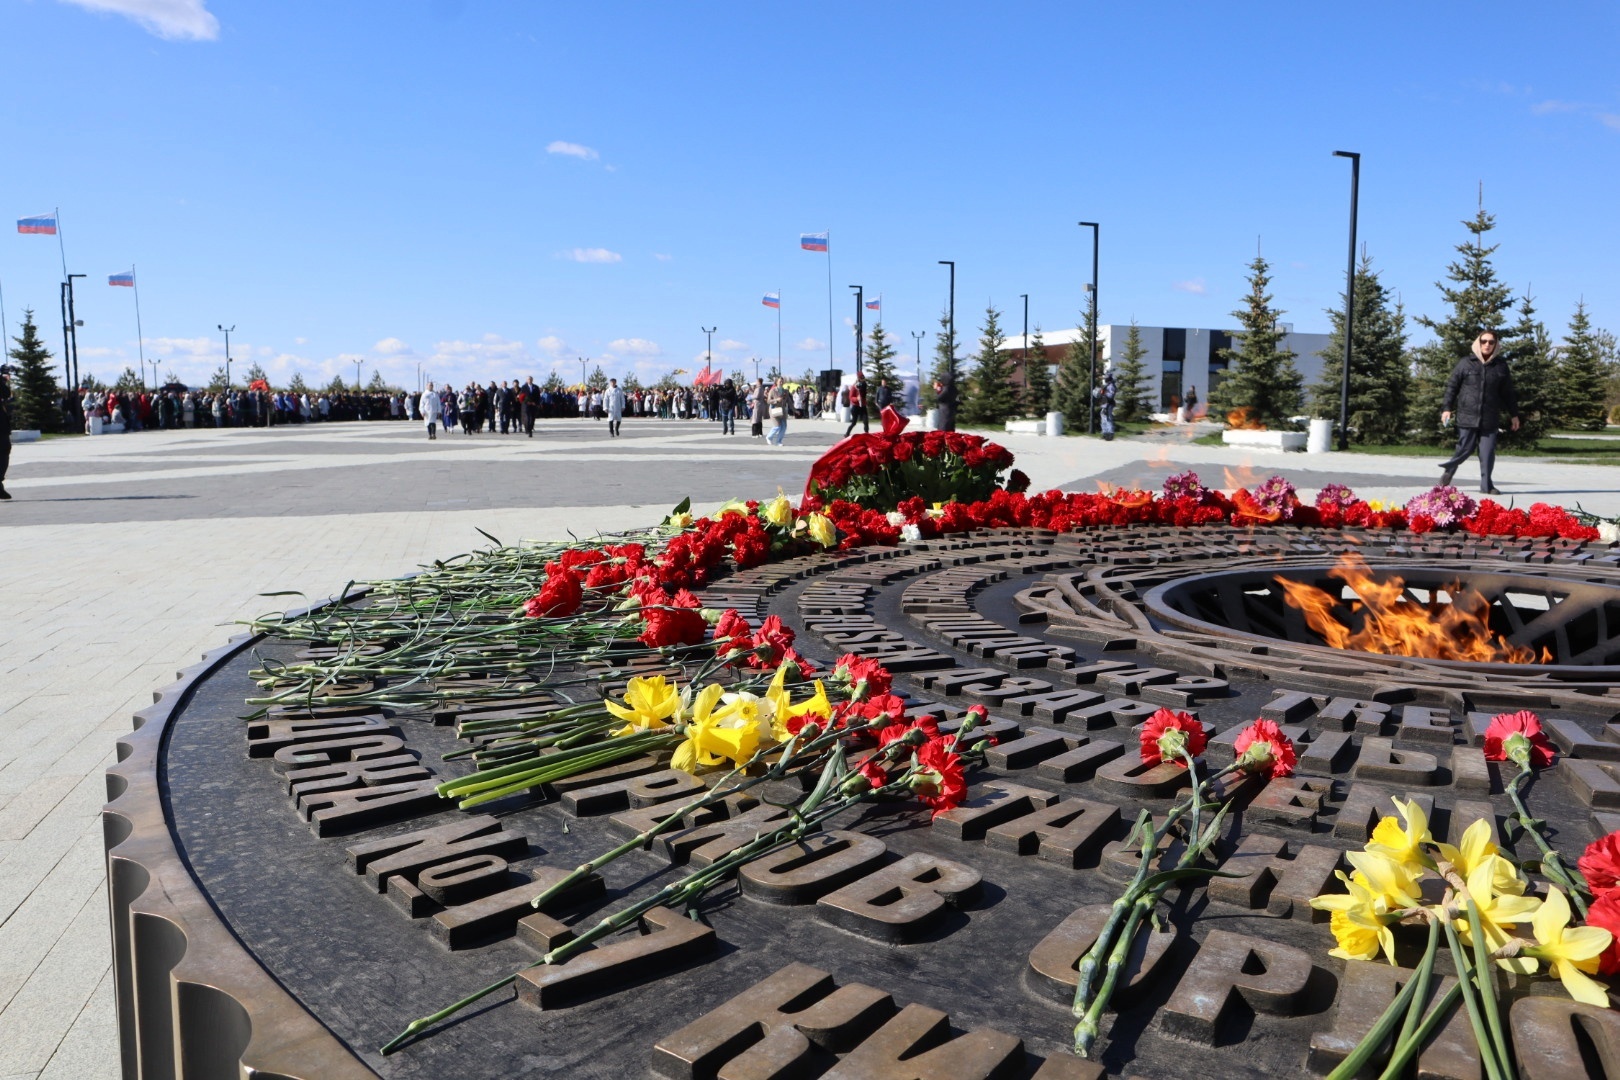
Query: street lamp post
x: 227, y: 330
x: 357, y: 364
x: 73, y: 324
x: 1349, y: 300
x: 950, y: 321
x: 917, y: 336
x: 582, y: 361
x: 756, y: 369
x: 1090, y: 415
x: 708, y: 352
x: 860, y: 302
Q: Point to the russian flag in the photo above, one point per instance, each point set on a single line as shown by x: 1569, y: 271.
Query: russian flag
x: 772, y: 300
x: 126, y: 278
x: 45, y: 224
x: 875, y: 305
x: 810, y: 241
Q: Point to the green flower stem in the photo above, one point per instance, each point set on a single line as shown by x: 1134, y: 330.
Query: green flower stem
x: 1405, y: 1050
x: 1465, y: 979
x: 1486, y: 982
x: 1370, y: 1042
x: 1552, y: 864
x: 1087, y: 969
x: 1425, y: 972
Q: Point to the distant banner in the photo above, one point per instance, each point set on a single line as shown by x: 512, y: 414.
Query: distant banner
x: 875, y: 305
x: 813, y: 241
x: 772, y: 300
x: 127, y: 278
x: 42, y: 224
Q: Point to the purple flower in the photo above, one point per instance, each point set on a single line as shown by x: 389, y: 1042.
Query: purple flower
x: 1447, y: 505
x: 1184, y: 485
x: 1335, y: 497
x: 1277, y: 495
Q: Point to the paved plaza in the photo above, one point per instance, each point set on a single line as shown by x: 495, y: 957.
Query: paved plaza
x: 122, y: 558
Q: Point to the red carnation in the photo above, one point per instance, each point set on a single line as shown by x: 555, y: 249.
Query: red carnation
x: 938, y: 782
x: 874, y: 772
x: 1518, y: 737
x: 1604, y: 913
x: 1262, y: 747
x: 865, y: 676
x: 770, y: 644
x: 1600, y: 863
x: 1166, y: 733
x: 559, y: 597
x: 678, y: 622
x: 732, y: 634
x: 927, y: 726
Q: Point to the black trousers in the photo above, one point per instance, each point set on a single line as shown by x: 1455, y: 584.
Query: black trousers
x: 5, y: 453
x: 1471, y: 440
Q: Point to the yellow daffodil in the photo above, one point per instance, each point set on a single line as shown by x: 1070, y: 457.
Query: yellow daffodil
x: 822, y: 530
x: 783, y: 708
x: 1377, y: 505
x: 1360, y: 920
x: 779, y: 511
x: 649, y: 704
x: 1496, y: 913
x: 680, y: 521
x: 714, y: 736
x: 1393, y: 882
x: 751, y: 710
x: 1571, y: 952
x: 1404, y: 842
x: 1476, y: 850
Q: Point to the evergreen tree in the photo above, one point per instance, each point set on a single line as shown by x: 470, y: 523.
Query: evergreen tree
x: 880, y: 370
x: 254, y: 374
x: 944, y: 361
x: 1478, y: 302
x: 33, y: 386
x: 554, y: 383
x: 1260, y: 379
x: 216, y: 381
x: 1073, y: 394
x: 1579, y: 377
x: 631, y: 384
x: 377, y: 385
x: 1037, y: 396
x: 90, y: 382
x: 296, y: 385
x: 1133, y: 388
x: 992, y: 398
x: 1379, y: 380
x: 1527, y: 348
x: 130, y: 382
x: 598, y: 379
x: 337, y: 386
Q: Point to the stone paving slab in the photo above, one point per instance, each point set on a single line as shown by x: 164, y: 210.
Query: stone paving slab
x: 123, y: 559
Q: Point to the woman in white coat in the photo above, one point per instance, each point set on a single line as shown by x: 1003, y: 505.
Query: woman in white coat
x: 613, y: 401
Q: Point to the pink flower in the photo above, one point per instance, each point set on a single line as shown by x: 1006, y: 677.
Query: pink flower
x: 1262, y: 747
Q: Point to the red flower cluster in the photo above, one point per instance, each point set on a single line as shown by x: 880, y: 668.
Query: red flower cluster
x: 1526, y: 724
x: 562, y: 595
x: 1541, y: 520
x: 1600, y: 864
x: 1164, y: 729
x: 879, y: 469
x: 1264, y: 745
x: 673, y: 622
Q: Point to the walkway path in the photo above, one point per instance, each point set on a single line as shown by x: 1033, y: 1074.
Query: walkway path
x: 123, y: 558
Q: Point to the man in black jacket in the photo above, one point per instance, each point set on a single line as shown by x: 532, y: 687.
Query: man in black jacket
x: 1480, y: 392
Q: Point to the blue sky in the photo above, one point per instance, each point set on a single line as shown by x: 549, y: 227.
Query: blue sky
x: 494, y: 189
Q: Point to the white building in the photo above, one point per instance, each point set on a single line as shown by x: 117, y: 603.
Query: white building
x: 1179, y: 358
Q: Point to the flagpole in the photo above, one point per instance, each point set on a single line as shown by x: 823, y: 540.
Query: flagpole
x: 831, y: 363
x: 140, y: 340
x: 779, y: 328
x: 5, y: 335
x: 61, y: 245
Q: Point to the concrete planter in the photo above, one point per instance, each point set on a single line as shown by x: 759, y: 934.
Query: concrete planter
x: 1264, y: 440
x: 24, y: 436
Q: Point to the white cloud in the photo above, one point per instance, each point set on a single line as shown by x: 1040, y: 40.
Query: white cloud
x: 635, y: 347
x: 1195, y: 286
x: 300, y: 341
x: 591, y: 255
x: 1544, y: 108
x: 1609, y: 120
x: 661, y: 257
x: 390, y: 346
x: 572, y: 149
x: 728, y: 343
x: 810, y: 344
x: 172, y: 20
x: 552, y: 345
x: 98, y: 351
x: 167, y: 346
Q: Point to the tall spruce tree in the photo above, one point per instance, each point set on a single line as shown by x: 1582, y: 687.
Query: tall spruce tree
x: 378, y: 385
x: 1478, y: 301
x: 33, y: 386
x: 1072, y: 394
x: 1037, y: 398
x: 296, y: 384
x: 992, y: 398
x: 1261, y: 380
x: 1133, y: 387
x: 598, y: 379
x: 1379, y: 380
x: 1579, y: 376
x: 254, y: 374
x: 333, y: 389
x: 130, y: 382
x: 1527, y: 348
x: 879, y: 368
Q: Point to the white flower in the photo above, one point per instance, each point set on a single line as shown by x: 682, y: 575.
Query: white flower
x: 1608, y: 532
x: 895, y: 517
x: 911, y: 534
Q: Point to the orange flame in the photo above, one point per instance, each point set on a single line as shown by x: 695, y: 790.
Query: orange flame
x: 1240, y: 417
x: 1245, y: 477
x: 1393, y: 624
